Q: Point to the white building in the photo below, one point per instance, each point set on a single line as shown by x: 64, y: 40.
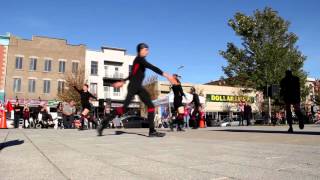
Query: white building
x: 105, y: 66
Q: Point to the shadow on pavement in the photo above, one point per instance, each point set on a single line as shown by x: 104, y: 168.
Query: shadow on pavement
x: 123, y: 132
x: 270, y: 131
x: 10, y: 143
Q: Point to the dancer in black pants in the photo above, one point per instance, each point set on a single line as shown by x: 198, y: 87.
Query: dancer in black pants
x: 135, y: 87
x: 195, y: 116
x: 177, y: 103
x: 85, y: 95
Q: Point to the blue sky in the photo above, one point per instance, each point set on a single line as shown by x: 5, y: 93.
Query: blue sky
x: 179, y: 32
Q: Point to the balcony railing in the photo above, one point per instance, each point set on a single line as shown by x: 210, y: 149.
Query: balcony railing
x: 114, y: 75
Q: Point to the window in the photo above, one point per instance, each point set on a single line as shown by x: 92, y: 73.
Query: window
x: 33, y: 64
x: 106, y: 90
x: 16, y: 84
x: 19, y: 62
x: 94, y: 67
x: 46, y: 86
x: 93, y: 88
x: 75, y: 67
x: 47, y: 65
x: 60, y: 86
x: 106, y: 71
x: 62, y: 66
x: 32, y: 86
x: 116, y: 91
x: 130, y: 69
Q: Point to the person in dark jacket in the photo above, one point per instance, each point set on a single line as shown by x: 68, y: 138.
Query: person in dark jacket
x: 290, y: 92
x: 136, y: 77
x: 85, y: 95
x: 18, y: 113
x: 195, y: 115
x: 247, y: 113
x: 177, y: 103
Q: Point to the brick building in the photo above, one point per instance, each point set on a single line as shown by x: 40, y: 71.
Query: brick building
x: 36, y: 68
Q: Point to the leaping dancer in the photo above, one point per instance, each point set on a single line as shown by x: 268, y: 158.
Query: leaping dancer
x: 85, y: 96
x: 140, y: 64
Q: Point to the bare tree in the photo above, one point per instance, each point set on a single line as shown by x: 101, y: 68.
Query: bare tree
x: 72, y: 79
x: 150, y: 84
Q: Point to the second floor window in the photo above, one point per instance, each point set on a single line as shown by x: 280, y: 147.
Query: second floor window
x: 75, y: 67
x: 62, y: 66
x: 116, y: 91
x: 47, y: 65
x: 130, y: 69
x: 60, y: 86
x: 94, y: 67
x: 93, y: 89
x: 19, y: 62
x: 33, y: 64
x: 17, y: 85
x: 32, y: 86
x: 46, y: 86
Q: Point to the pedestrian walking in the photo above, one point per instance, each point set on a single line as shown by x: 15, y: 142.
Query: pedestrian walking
x: 290, y: 92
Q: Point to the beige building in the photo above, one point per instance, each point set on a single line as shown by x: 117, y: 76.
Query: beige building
x: 36, y: 68
x: 220, y: 100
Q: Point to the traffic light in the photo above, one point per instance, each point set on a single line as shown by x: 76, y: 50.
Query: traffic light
x: 271, y: 91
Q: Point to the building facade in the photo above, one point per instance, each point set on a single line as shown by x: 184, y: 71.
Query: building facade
x: 36, y: 68
x: 4, y: 43
x: 221, y: 101
x: 105, y: 67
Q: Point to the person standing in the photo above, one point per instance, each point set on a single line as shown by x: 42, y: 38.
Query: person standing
x: 60, y: 114
x: 247, y: 113
x: 195, y: 115
x: 290, y: 92
x: 186, y: 116
x: 17, y: 114
x: 136, y: 77
x: 85, y: 95
x: 241, y: 109
x: 26, y: 115
x: 68, y: 112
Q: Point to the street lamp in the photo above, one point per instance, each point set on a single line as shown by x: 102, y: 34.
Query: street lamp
x: 180, y: 67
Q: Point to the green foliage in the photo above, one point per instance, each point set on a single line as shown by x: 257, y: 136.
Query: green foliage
x: 268, y: 50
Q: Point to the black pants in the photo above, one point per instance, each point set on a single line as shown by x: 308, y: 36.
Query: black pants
x: 179, y: 118
x: 195, y: 118
x: 145, y: 98
x: 297, y: 111
x: 67, y: 121
x: 16, y: 120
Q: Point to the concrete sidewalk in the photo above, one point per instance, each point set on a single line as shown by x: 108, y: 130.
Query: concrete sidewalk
x: 211, y: 153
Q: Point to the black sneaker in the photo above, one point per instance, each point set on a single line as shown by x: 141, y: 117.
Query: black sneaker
x: 156, y: 134
x: 290, y: 130
x: 180, y: 129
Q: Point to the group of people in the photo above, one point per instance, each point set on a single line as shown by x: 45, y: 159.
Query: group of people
x: 25, y: 113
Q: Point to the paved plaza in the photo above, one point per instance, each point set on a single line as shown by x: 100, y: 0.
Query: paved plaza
x: 258, y: 152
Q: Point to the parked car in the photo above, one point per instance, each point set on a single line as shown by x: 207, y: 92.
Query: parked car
x: 134, y: 122
x: 231, y: 122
